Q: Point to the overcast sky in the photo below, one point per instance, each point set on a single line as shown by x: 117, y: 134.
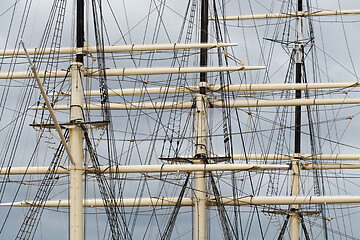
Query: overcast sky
x: 339, y: 42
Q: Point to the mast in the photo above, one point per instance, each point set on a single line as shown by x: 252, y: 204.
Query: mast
x: 204, y: 39
x: 298, y: 62
x: 200, y: 180
x: 80, y: 29
x: 76, y: 134
x: 200, y: 131
x: 295, y: 176
x: 76, y: 146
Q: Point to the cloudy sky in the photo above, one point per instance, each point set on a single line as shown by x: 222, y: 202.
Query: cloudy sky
x: 135, y: 23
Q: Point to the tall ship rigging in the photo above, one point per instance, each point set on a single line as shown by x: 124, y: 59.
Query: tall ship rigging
x: 192, y: 119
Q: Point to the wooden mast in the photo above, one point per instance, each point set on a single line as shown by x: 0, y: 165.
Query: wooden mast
x: 295, y: 162
x: 201, y: 131
x: 76, y: 133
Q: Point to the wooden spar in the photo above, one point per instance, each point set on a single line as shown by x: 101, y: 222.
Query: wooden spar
x: 115, y: 49
x: 218, y: 88
x: 215, y: 104
x: 187, y: 201
x: 130, y: 71
x: 181, y: 168
x: 291, y: 15
x: 48, y: 104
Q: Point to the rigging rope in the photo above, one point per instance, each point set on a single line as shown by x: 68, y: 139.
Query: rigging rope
x: 34, y: 213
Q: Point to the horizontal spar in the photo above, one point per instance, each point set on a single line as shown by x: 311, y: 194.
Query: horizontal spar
x: 287, y: 102
x: 215, y: 104
x: 188, y: 201
x: 285, y: 157
x: 291, y: 15
x: 114, y: 49
x: 171, y: 70
x: 288, y: 200
x: 128, y: 202
x: 128, y: 106
x: 179, y: 168
x: 151, y: 168
x: 218, y: 88
x: 331, y: 166
x: 131, y: 71
x: 280, y: 86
